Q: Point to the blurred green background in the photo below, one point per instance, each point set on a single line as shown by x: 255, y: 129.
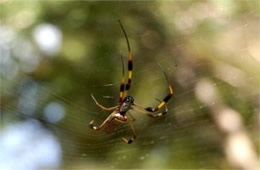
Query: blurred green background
x: 54, y: 54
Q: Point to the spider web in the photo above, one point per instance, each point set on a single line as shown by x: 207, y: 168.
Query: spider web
x: 40, y: 112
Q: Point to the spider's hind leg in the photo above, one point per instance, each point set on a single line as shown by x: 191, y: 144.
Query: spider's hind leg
x: 131, y: 140
x: 94, y: 127
x: 130, y: 114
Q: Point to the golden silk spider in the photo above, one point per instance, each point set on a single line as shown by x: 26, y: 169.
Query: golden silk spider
x: 126, y: 103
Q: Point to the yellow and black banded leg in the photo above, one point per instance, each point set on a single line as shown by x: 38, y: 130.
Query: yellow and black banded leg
x: 130, y: 61
x: 151, y: 115
x: 130, y: 72
x: 122, y: 84
x: 162, y: 103
x: 166, y: 98
x: 122, y: 90
x: 131, y: 140
x: 102, y: 107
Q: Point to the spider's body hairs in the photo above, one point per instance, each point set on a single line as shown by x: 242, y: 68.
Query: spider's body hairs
x: 126, y: 103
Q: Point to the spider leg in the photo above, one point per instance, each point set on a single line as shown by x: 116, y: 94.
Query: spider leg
x: 133, y: 118
x: 144, y: 112
x: 102, y: 107
x: 94, y: 127
x: 122, y: 85
x: 132, y: 138
x: 130, y: 60
x: 130, y: 70
x: 162, y: 103
x: 166, y: 98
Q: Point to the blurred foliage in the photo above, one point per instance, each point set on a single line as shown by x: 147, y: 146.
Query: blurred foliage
x: 216, y: 41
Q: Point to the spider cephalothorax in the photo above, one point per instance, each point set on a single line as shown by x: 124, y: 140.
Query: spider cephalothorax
x: 129, y: 99
x: 126, y: 104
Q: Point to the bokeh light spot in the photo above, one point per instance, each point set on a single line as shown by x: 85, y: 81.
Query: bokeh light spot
x: 48, y: 37
x: 54, y: 112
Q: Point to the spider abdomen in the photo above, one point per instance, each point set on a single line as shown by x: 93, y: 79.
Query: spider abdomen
x: 112, y: 126
x: 121, y: 117
x: 115, y: 123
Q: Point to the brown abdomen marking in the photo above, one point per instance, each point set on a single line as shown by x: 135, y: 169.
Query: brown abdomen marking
x: 112, y: 126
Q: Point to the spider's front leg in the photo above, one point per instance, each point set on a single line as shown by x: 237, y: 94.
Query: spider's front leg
x: 160, y: 105
x: 151, y: 115
x: 130, y: 61
x: 143, y: 110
